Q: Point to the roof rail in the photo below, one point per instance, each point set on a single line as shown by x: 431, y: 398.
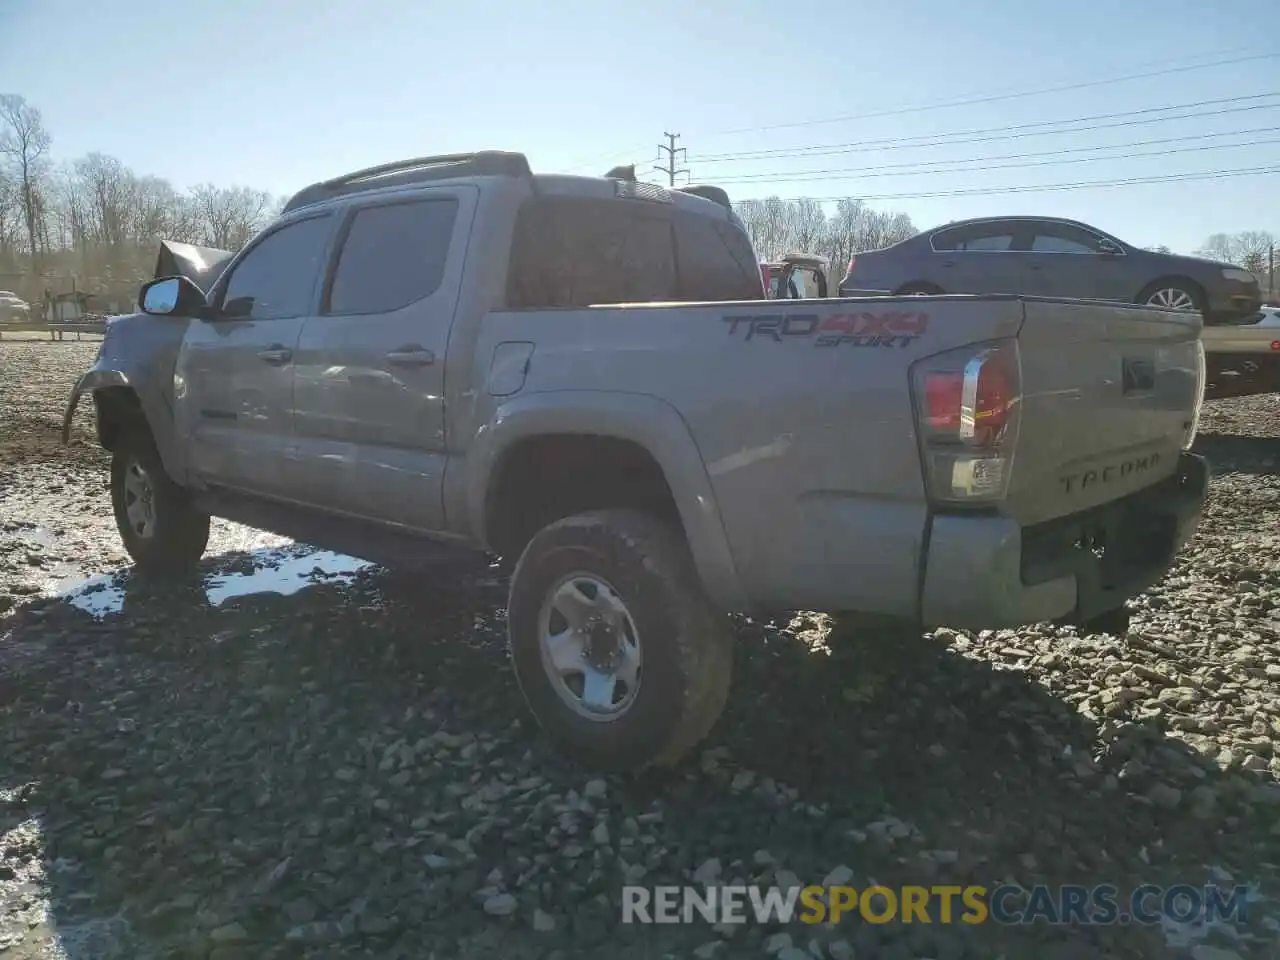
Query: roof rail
x: 708, y: 192
x: 485, y: 163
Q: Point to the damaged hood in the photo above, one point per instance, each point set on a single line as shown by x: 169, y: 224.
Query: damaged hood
x: 201, y: 265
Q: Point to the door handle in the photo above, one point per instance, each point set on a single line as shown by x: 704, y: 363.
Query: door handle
x: 276, y: 353
x: 948, y: 263
x: 411, y: 355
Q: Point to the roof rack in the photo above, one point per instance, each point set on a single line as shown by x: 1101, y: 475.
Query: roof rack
x: 485, y: 163
x: 708, y: 192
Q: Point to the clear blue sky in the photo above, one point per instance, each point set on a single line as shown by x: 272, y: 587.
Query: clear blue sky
x: 278, y: 93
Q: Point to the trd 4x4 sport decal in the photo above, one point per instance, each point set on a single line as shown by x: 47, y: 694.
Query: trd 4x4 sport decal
x: 840, y: 329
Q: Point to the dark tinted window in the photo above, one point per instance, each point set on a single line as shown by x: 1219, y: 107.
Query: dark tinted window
x: 393, y: 255
x: 1063, y: 238
x: 573, y: 252
x: 277, y: 277
x: 716, y: 261
x: 985, y: 238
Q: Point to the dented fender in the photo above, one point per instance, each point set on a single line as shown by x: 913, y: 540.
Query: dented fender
x: 139, y: 352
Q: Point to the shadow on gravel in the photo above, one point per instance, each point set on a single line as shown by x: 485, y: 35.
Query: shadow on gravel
x: 1230, y: 453
x: 349, y: 771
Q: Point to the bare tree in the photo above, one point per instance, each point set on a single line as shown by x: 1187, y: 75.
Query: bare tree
x: 229, y: 216
x: 1253, y: 250
x: 779, y: 226
x: 1250, y: 249
x: 24, y: 142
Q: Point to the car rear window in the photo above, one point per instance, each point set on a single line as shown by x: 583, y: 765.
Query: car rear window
x: 571, y: 252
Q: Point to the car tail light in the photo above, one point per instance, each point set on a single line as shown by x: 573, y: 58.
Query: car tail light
x: 968, y: 410
x: 852, y: 261
x: 1202, y: 376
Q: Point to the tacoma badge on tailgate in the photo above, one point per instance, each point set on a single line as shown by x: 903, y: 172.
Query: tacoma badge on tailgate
x: 1074, y: 482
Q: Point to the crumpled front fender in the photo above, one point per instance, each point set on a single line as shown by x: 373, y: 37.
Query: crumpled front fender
x: 89, y: 382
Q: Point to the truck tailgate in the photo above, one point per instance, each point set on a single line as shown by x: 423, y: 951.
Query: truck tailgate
x: 1110, y: 394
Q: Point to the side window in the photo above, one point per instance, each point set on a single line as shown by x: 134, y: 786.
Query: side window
x: 716, y: 261
x: 393, y: 255
x: 573, y: 252
x: 276, y: 278
x: 1060, y: 238
x: 944, y: 241
x: 986, y: 240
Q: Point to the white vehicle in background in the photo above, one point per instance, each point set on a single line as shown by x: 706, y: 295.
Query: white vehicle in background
x: 1243, y: 357
x: 13, y: 309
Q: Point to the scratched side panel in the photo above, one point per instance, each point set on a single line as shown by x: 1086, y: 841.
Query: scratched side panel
x: 802, y: 414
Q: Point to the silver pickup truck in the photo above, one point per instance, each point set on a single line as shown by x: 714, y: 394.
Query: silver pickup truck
x: 453, y: 356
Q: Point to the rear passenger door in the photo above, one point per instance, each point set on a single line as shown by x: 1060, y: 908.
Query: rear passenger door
x: 986, y: 257
x: 369, y: 382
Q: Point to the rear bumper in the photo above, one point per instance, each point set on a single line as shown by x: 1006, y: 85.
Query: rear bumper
x: 1233, y: 299
x: 989, y: 572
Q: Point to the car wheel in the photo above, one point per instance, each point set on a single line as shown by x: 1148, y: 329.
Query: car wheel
x: 161, y: 530
x: 620, y: 656
x: 1172, y: 295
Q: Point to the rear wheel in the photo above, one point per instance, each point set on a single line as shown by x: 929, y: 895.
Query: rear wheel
x: 919, y: 290
x: 1173, y: 295
x: 161, y: 530
x: 619, y: 654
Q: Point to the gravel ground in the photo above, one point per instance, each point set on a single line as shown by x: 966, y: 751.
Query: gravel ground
x: 347, y: 771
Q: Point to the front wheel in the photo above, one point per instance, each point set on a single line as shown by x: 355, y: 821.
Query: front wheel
x: 619, y: 654
x: 1172, y: 295
x: 161, y: 530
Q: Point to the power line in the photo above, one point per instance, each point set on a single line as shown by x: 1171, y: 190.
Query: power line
x: 1052, y: 187
x: 671, y: 170
x: 1011, y: 132
x: 918, y: 169
x: 1000, y: 97
x: 613, y: 155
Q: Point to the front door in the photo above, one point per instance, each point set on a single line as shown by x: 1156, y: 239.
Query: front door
x: 369, y: 393
x: 1067, y: 261
x: 233, y: 383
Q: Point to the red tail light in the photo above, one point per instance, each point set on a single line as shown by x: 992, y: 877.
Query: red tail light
x: 968, y: 419
x: 852, y: 261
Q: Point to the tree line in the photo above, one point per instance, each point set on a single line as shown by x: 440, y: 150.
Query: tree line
x: 777, y: 227
x: 97, y: 220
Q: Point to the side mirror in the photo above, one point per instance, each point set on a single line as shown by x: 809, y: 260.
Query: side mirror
x: 171, y: 297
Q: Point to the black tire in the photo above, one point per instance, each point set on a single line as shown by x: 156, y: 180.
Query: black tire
x: 179, y: 533
x: 920, y: 289
x: 686, y: 646
x: 1184, y: 287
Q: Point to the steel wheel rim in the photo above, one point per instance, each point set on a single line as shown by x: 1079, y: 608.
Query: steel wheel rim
x: 1171, y: 298
x: 139, y: 500
x: 590, y: 647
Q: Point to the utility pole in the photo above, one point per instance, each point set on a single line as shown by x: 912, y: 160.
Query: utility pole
x: 1271, y: 271
x: 670, y: 149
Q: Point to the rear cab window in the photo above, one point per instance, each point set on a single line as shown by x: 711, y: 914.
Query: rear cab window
x: 570, y: 252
